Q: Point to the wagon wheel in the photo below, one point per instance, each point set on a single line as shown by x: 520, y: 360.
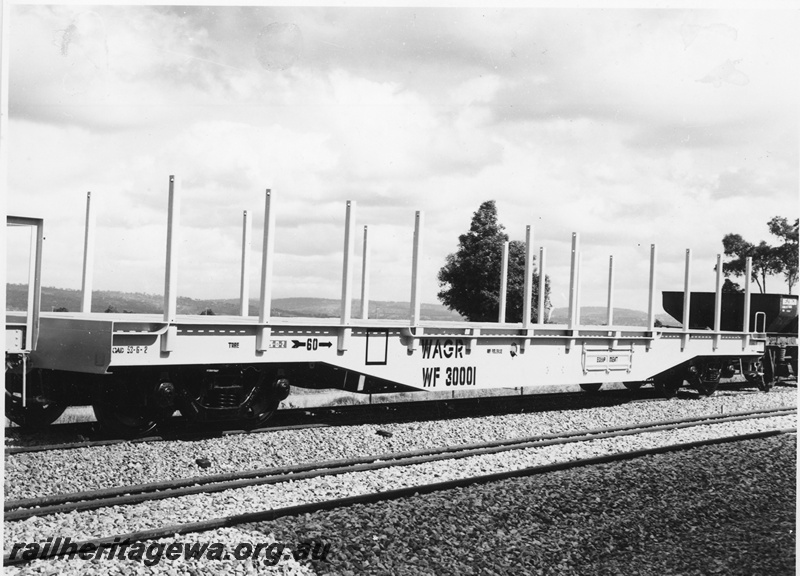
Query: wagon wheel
x: 126, y: 406
x: 263, y: 417
x: 591, y: 387
x: 668, y: 384
x: 633, y: 385
x: 267, y: 400
x: 127, y: 420
x: 39, y: 411
x: 767, y: 380
x: 707, y: 387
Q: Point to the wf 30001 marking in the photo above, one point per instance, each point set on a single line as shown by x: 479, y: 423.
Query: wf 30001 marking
x: 453, y: 376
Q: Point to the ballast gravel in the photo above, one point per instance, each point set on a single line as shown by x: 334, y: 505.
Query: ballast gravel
x: 200, y: 507
x: 61, y: 471
x: 725, y: 509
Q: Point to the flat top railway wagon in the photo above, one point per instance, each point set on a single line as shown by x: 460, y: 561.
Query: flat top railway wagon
x: 138, y: 369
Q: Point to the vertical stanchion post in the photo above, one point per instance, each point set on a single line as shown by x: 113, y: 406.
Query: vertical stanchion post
x: 718, y: 303
x: 347, y: 276
x: 718, y: 296
x: 501, y: 313
x: 610, y: 306
x: 578, y: 291
x: 651, y: 299
x: 244, y: 291
x: 748, y: 272
x: 542, y: 312
x: 265, y: 303
x: 170, y: 281
x: 573, y: 281
x: 171, y: 274
x: 365, y: 276
x: 415, y: 267
x: 88, y: 257
x: 687, y: 290
x: 31, y: 319
x: 34, y: 301
x: 24, y: 380
x: 528, y: 292
x: 347, y: 263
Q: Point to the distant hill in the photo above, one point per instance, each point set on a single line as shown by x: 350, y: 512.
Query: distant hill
x: 597, y: 315
x: 54, y: 298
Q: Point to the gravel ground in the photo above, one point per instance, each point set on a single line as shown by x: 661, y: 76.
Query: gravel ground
x: 39, y: 474
x: 727, y: 509
x: 194, y: 508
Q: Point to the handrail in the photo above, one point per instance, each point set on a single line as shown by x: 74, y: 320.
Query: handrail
x: 34, y: 278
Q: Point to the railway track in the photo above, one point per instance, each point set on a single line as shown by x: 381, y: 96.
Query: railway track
x: 84, y: 502
x: 89, y: 434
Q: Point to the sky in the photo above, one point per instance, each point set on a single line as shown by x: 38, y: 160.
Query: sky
x: 628, y: 126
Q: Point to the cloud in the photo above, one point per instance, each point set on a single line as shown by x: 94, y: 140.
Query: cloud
x: 702, y: 135
x: 727, y: 72
x: 573, y: 120
x: 691, y: 32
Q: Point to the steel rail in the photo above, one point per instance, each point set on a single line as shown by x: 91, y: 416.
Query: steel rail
x: 275, y: 513
x: 13, y: 450
x: 331, y: 415
x: 379, y: 412
x: 127, y: 495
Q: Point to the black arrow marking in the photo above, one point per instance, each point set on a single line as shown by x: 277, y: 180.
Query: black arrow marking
x: 325, y: 344
x: 297, y: 344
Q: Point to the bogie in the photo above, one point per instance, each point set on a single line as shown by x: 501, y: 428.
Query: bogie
x: 41, y: 405
x: 134, y: 403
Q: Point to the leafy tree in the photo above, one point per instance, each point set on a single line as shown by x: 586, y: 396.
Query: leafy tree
x: 469, y: 281
x: 731, y: 286
x: 207, y: 312
x: 787, y: 251
x: 767, y: 259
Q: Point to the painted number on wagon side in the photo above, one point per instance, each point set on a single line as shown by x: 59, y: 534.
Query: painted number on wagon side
x: 453, y: 376
x: 461, y: 376
x: 129, y: 350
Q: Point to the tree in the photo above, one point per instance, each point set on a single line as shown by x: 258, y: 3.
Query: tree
x: 767, y: 259
x: 469, y: 281
x: 764, y: 262
x: 729, y: 286
x: 787, y: 251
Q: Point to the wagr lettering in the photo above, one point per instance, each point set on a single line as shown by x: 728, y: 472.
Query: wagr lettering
x: 437, y: 348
